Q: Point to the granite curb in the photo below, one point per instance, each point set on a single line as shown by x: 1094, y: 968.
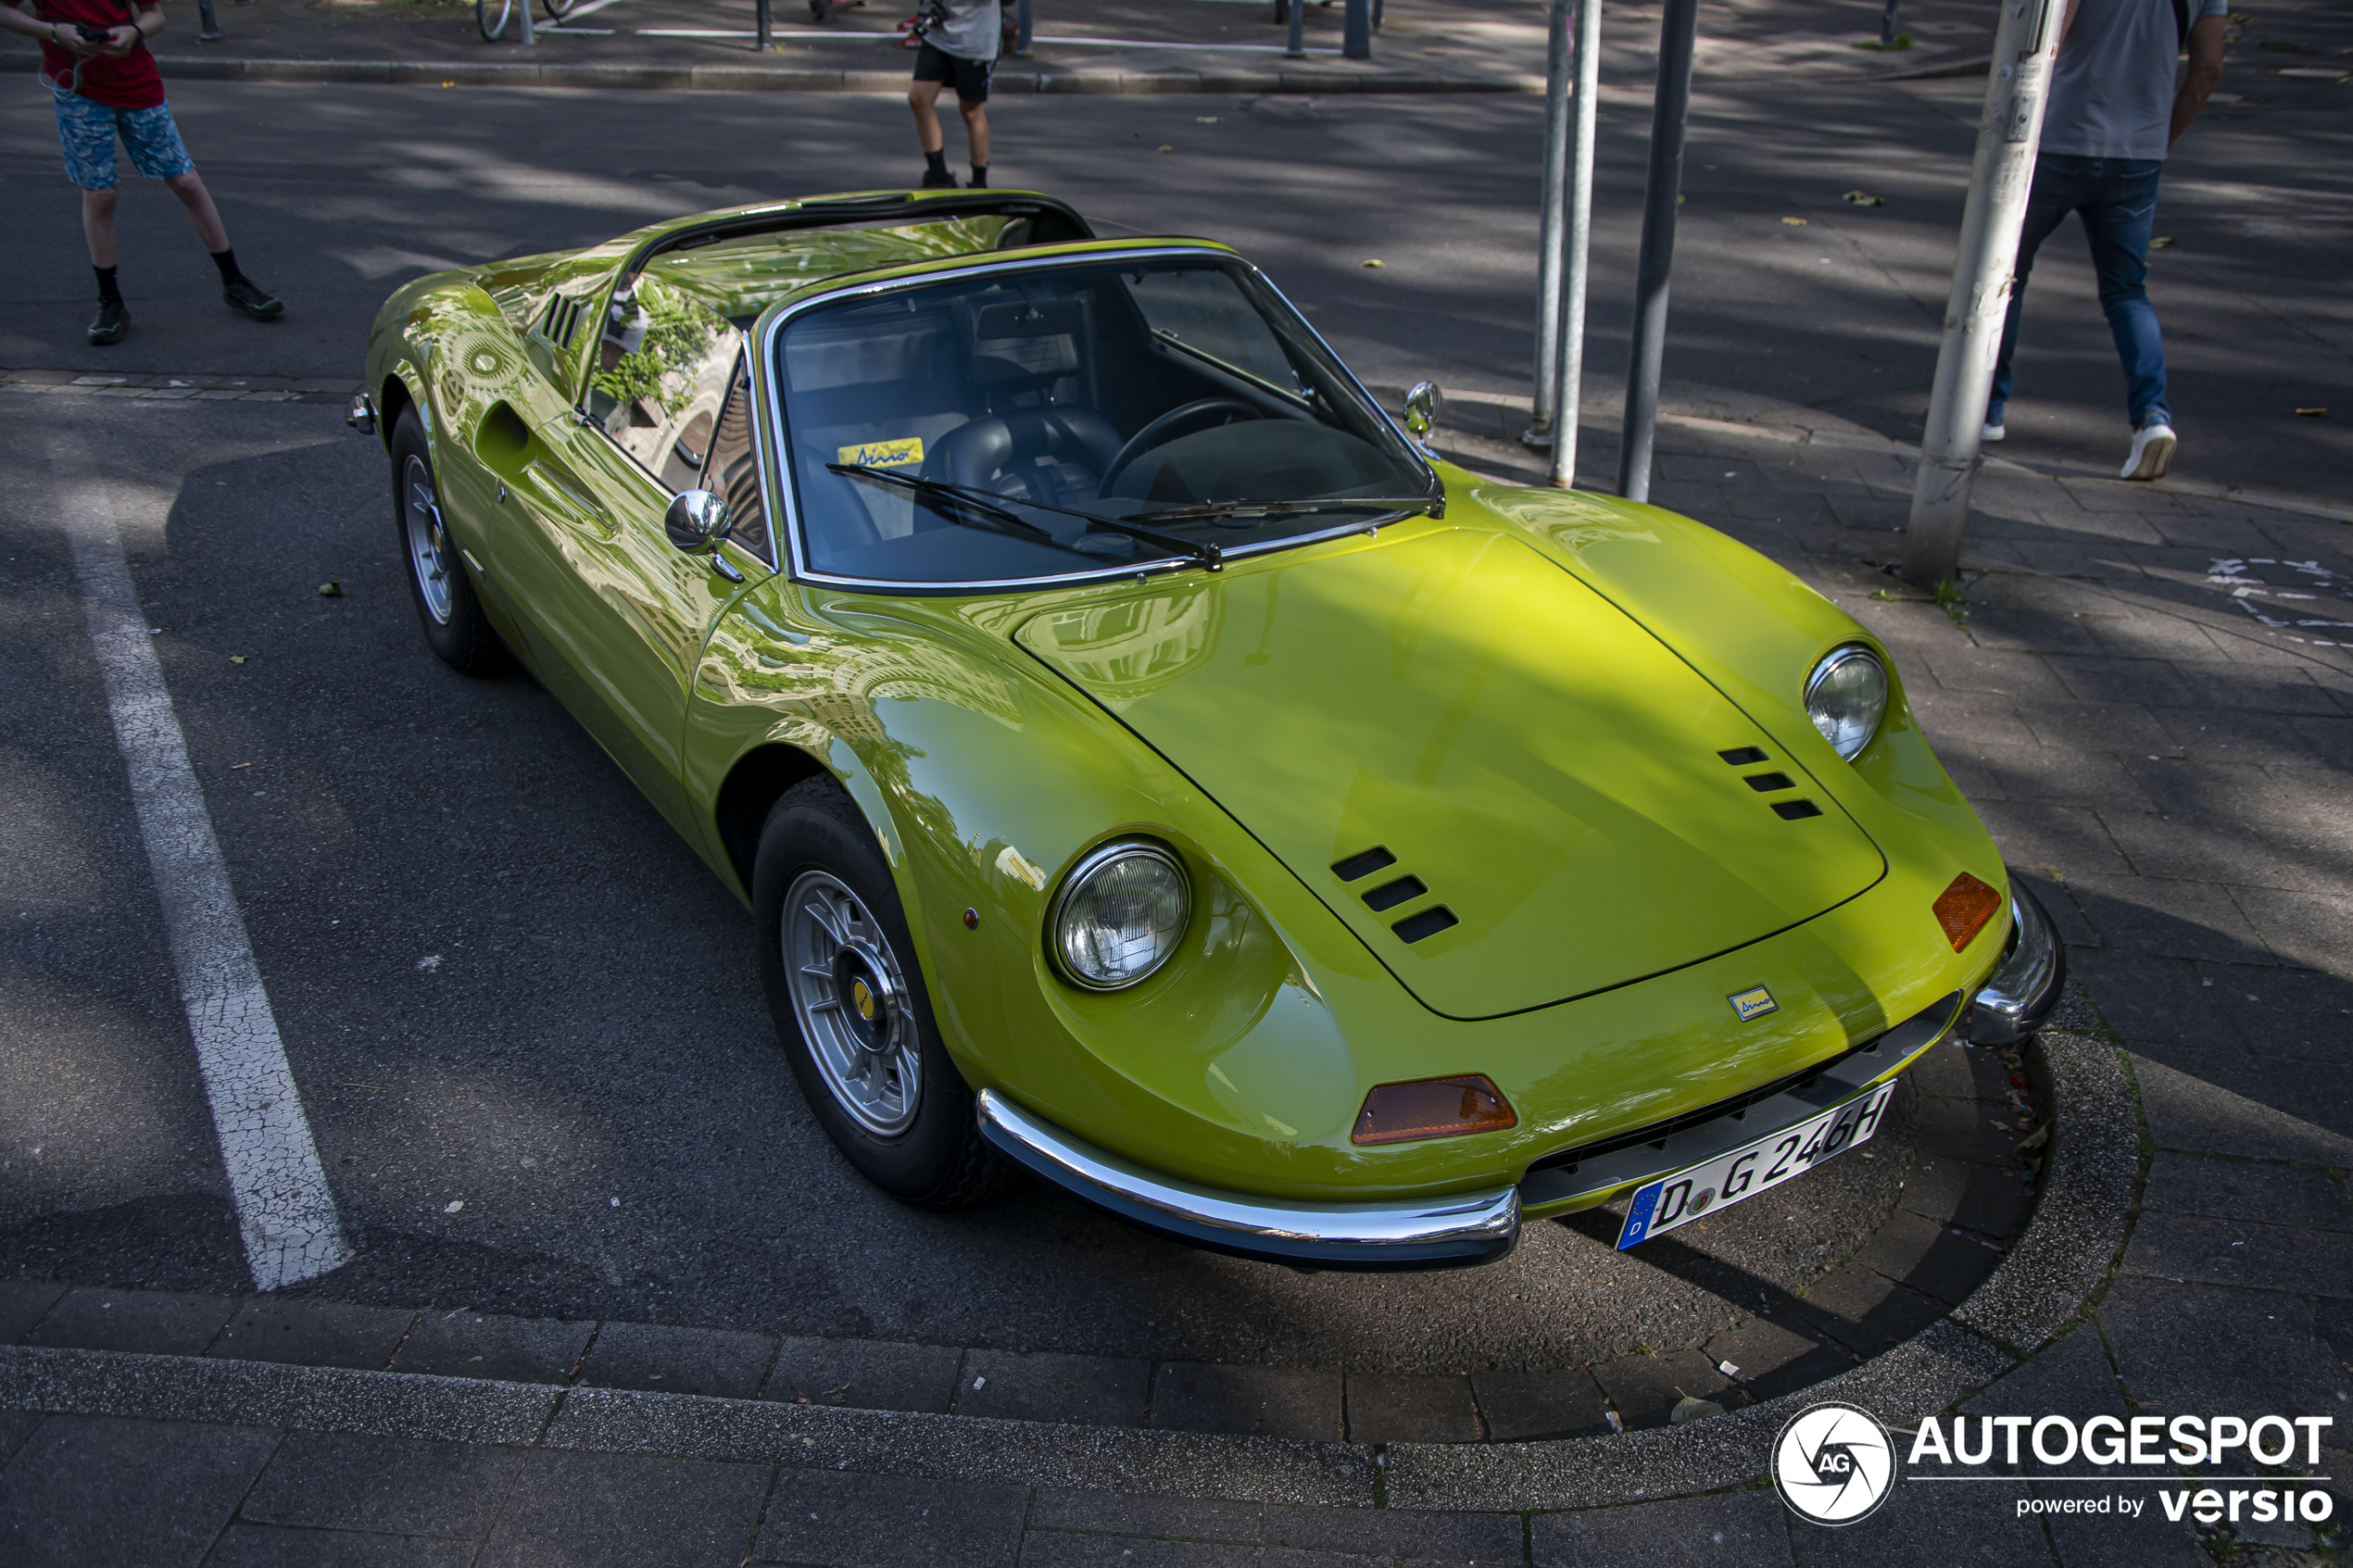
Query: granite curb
x: 782, y: 79
x: 2057, y: 1262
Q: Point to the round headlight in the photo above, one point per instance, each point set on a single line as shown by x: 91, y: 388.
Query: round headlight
x: 1121, y: 914
x: 1846, y: 697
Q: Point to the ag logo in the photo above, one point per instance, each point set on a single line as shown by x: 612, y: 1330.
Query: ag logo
x: 1833, y: 1464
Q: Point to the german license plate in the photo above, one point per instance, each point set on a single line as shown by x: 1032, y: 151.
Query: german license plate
x: 1676, y: 1200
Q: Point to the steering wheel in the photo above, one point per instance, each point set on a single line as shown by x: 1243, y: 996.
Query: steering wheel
x: 1156, y: 433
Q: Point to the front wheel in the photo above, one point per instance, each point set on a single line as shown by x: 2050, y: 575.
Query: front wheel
x: 455, y: 627
x: 851, y: 1009
x: 491, y: 17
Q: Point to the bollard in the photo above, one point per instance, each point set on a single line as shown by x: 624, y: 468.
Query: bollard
x: 1297, y: 49
x: 1549, y: 228
x: 528, y: 36
x: 2009, y: 129
x: 1670, y: 116
x: 765, y: 26
x: 1887, y: 26
x: 1356, y: 39
x: 1569, y: 395
x: 1023, y: 46
x: 207, y: 25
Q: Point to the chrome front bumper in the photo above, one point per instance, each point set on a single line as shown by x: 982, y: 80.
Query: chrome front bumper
x: 1478, y: 1228
x: 1432, y: 1233
x: 2026, y: 986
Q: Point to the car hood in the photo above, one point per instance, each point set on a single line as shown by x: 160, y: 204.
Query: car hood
x: 1550, y: 772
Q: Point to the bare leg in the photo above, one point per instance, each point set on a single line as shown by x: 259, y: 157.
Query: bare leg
x: 202, y: 214
x: 924, y: 98
x: 97, y: 225
x: 975, y: 131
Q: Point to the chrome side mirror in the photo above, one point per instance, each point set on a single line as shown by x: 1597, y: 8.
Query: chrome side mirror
x: 697, y: 519
x: 361, y: 415
x: 1422, y: 404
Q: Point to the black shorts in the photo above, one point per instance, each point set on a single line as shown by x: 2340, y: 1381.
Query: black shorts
x: 970, y: 78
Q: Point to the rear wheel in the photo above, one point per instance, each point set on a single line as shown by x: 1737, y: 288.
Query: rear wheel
x: 491, y: 17
x: 455, y: 628
x: 851, y: 1008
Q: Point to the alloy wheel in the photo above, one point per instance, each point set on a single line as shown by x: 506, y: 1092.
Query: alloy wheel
x: 849, y: 996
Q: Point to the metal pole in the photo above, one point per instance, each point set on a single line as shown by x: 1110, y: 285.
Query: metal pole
x: 1297, y: 49
x: 1538, y: 433
x: 1671, y: 109
x: 528, y: 36
x: 2011, y: 127
x: 207, y: 25
x: 1357, y: 36
x: 761, y: 44
x: 1022, y: 47
x: 1566, y: 400
x: 1887, y: 26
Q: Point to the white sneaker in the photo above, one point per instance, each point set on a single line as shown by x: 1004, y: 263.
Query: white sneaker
x: 2152, y: 452
x: 1994, y: 433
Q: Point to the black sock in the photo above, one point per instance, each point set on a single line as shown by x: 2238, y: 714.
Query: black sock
x: 936, y: 163
x: 227, y: 261
x: 107, y: 291
x: 980, y: 177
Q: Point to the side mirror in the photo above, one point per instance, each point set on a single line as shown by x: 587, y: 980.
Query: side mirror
x: 1422, y: 404
x: 697, y: 519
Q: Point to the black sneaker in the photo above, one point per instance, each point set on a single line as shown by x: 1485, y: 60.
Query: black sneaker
x: 943, y: 181
x: 111, y: 322
x: 246, y: 300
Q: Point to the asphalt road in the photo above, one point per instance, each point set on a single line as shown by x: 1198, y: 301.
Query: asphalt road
x: 429, y: 866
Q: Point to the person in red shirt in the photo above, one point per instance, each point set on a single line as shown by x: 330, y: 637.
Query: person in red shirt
x: 94, y: 55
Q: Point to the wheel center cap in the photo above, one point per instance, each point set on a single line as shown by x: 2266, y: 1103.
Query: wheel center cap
x: 868, y: 1004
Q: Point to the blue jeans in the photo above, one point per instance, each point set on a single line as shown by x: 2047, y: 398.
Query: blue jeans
x: 2118, y: 199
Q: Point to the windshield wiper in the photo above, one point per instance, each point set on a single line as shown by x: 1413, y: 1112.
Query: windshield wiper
x: 993, y: 507
x: 1434, y: 505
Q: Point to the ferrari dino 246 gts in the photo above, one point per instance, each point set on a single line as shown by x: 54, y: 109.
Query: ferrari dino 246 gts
x: 1144, y: 760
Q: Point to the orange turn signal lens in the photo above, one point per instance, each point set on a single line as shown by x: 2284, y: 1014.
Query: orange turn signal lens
x: 1432, y: 1108
x: 1964, y: 908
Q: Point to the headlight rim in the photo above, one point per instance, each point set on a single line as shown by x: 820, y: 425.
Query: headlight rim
x: 1828, y: 665
x: 1087, y: 866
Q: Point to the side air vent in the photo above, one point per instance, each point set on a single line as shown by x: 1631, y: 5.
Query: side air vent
x: 1795, y: 810
x: 1741, y: 756
x: 1363, y: 864
x: 1765, y: 783
x: 1429, y: 922
x: 1388, y: 895
x: 562, y: 320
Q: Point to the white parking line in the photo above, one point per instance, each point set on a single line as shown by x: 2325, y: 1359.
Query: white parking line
x: 284, y: 1211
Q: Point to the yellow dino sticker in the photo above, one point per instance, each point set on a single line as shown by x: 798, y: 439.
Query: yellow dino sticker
x: 882, y: 454
x: 1754, y: 1004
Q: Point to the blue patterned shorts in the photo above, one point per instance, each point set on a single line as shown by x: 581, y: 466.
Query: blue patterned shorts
x: 88, y: 130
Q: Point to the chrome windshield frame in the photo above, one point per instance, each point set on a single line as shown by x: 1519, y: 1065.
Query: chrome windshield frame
x: 769, y: 395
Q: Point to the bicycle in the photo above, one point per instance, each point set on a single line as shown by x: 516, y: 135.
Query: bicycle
x: 491, y: 16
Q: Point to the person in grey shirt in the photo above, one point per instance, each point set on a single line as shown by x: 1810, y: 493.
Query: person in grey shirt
x: 2114, y: 112
x: 961, y: 42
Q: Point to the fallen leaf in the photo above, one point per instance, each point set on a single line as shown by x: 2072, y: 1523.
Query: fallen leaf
x: 1864, y: 199
x: 2160, y: 241
x: 1166, y: 148
x: 453, y: 1205
x: 1374, y: 263
x: 236, y: 659
x: 449, y: 85
x: 2313, y: 413
x: 331, y: 590
x: 234, y: 766
x: 1689, y: 1409
x: 1204, y: 120
x: 1794, y: 222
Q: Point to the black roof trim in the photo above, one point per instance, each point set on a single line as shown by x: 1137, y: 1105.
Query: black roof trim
x: 824, y: 212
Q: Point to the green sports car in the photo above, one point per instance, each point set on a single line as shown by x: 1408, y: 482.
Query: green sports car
x: 1148, y: 764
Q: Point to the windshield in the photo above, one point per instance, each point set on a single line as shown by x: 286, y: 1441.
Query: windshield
x: 1071, y: 407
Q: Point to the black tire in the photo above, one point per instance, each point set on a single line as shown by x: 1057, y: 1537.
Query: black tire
x: 939, y: 1160
x: 455, y: 627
